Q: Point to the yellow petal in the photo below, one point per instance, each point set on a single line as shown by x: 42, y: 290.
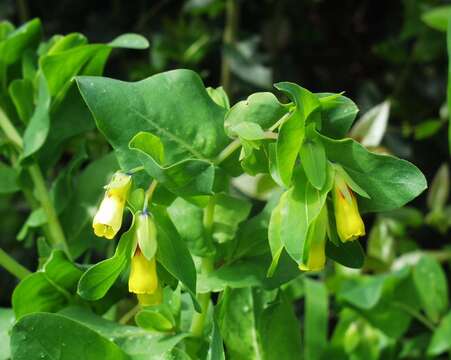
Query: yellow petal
x: 108, y: 219
x: 151, y: 299
x: 143, y: 275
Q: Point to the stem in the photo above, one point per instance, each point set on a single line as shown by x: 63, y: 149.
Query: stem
x: 228, y: 39
x: 12, y: 266
x: 54, y: 227
x: 207, y: 266
x: 56, y: 232
x: 227, y: 151
x: 129, y: 314
x: 149, y: 194
x: 422, y: 319
x: 135, y: 170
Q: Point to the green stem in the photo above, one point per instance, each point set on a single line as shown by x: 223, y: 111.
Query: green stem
x: 227, y: 151
x: 12, y: 266
x: 416, y: 315
x: 207, y: 266
x: 129, y: 314
x: 54, y: 227
x: 149, y: 194
x: 228, y: 39
x: 135, y: 170
x: 56, y: 232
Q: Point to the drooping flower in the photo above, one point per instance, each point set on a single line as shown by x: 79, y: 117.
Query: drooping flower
x: 314, y: 255
x: 350, y: 225
x: 108, y: 219
x: 143, y: 277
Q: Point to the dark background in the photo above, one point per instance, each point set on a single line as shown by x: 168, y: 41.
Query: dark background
x: 372, y: 50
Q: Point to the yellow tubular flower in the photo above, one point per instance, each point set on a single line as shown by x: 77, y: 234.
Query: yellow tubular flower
x: 315, y: 257
x: 350, y: 225
x: 108, y: 219
x: 143, y: 274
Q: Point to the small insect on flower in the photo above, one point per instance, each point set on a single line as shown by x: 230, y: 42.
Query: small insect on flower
x: 108, y: 219
x: 314, y: 255
x: 350, y: 225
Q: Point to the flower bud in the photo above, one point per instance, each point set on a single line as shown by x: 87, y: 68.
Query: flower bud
x: 108, y: 219
x: 314, y: 256
x: 143, y: 274
x: 146, y: 234
x: 350, y: 225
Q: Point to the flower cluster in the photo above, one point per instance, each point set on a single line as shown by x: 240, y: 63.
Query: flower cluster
x: 143, y: 279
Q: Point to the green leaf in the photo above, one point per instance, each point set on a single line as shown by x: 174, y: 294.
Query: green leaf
x: 279, y: 331
x: 185, y: 178
x: 134, y: 341
x: 67, y: 42
x: 316, y: 319
x: 174, y: 106
x: 437, y: 17
x: 155, y: 318
x: 314, y: 161
x: 292, y: 130
x: 219, y: 96
x: 238, y: 324
x: 274, y: 233
x: 52, y: 336
x: 99, y: 278
x: 390, y: 182
x: 337, y: 113
x: 370, y: 128
x: 247, y: 131
x: 431, y: 284
x: 130, y: 41
x: 38, y: 128
x: 6, y: 322
x: 48, y: 289
x: 18, y: 40
x: 216, y: 350
x: 21, y: 92
x: 303, y: 205
x: 8, y: 180
x: 441, y: 339
x: 349, y: 254
x: 262, y: 109
x: 173, y: 253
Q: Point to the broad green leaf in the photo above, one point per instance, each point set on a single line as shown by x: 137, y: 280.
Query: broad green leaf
x: 441, y: 339
x: 316, y: 319
x: 6, y: 323
x: 173, y: 253
x: 431, y: 284
x: 249, y: 272
x: 216, y: 350
x: 314, y: 161
x: 18, y: 40
x: 38, y: 128
x: 43, y: 335
x: 238, y: 323
x: 337, y: 114
x: 130, y: 41
x: 174, y: 106
x: 370, y: 128
x: 229, y: 212
x: 261, y: 108
x: 302, y: 206
x: 186, y: 178
x: 48, y: 289
x: 5, y: 28
x: 134, y: 341
x: 99, y: 278
x: 247, y: 131
x: 8, y: 179
x: 67, y: 42
x: 437, y: 17
x: 21, y: 92
x: 280, y: 332
x: 292, y: 130
x: 274, y: 233
x: 390, y: 182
